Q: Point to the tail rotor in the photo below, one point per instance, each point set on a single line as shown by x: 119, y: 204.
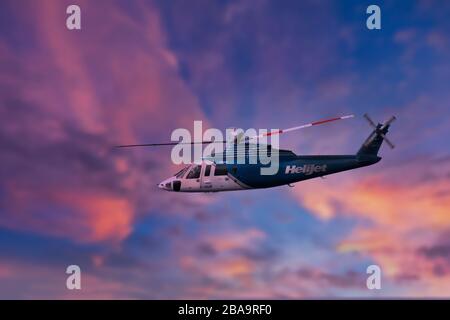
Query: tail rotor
x: 379, y: 131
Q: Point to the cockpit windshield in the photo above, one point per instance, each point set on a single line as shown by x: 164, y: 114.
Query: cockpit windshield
x: 180, y: 173
x: 195, y: 172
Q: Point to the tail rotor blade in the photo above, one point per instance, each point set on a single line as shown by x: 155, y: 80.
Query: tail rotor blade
x: 374, y: 135
x: 379, y: 131
x: 370, y: 139
x: 391, y: 119
x: 369, y: 120
x: 389, y: 143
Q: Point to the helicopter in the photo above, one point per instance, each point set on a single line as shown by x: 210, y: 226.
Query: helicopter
x: 217, y: 173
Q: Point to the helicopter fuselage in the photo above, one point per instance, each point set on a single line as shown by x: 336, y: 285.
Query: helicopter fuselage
x: 213, y: 177
x: 222, y: 175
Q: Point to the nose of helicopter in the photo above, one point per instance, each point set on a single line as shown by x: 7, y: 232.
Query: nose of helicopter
x: 165, y: 185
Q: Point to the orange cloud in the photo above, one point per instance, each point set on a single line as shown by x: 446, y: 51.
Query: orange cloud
x: 388, y: 199
x: 103, y: 217
x: 403, y: 209
x: 81, y: 215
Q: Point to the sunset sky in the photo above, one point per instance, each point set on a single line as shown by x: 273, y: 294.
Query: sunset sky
x: 137, y: 70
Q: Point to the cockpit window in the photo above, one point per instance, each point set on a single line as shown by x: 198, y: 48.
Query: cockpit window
x: 180, y: 173
x: 194, y: 173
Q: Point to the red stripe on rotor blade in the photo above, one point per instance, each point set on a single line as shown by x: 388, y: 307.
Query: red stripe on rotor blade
x: 324, y: 121
x: 275, y: 132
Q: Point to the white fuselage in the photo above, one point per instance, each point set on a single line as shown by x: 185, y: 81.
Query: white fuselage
x: 205, y: 177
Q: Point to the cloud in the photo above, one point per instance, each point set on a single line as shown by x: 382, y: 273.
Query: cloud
x: 376, y: 198
x: 398, y: 210
x: 226, y: 241
x: 137, y: 70
x: 49, y: 282
x: 67, y: 101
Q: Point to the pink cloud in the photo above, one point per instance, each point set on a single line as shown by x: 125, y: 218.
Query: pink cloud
x: 79, y: 93
x: 230, y: 241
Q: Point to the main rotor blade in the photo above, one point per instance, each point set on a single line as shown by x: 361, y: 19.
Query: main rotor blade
x: 301, y: 127
x: 246, y: 139
x: 165, y: 144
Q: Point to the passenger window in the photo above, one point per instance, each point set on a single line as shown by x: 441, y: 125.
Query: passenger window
x: 194, y: 173
x: 207, y: 170
x: 221, y: 170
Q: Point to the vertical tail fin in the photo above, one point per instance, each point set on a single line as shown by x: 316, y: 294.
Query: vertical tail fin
x: 373, y: 143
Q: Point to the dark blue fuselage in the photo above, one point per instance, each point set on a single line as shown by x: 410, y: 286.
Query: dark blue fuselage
x: 293, y: 168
